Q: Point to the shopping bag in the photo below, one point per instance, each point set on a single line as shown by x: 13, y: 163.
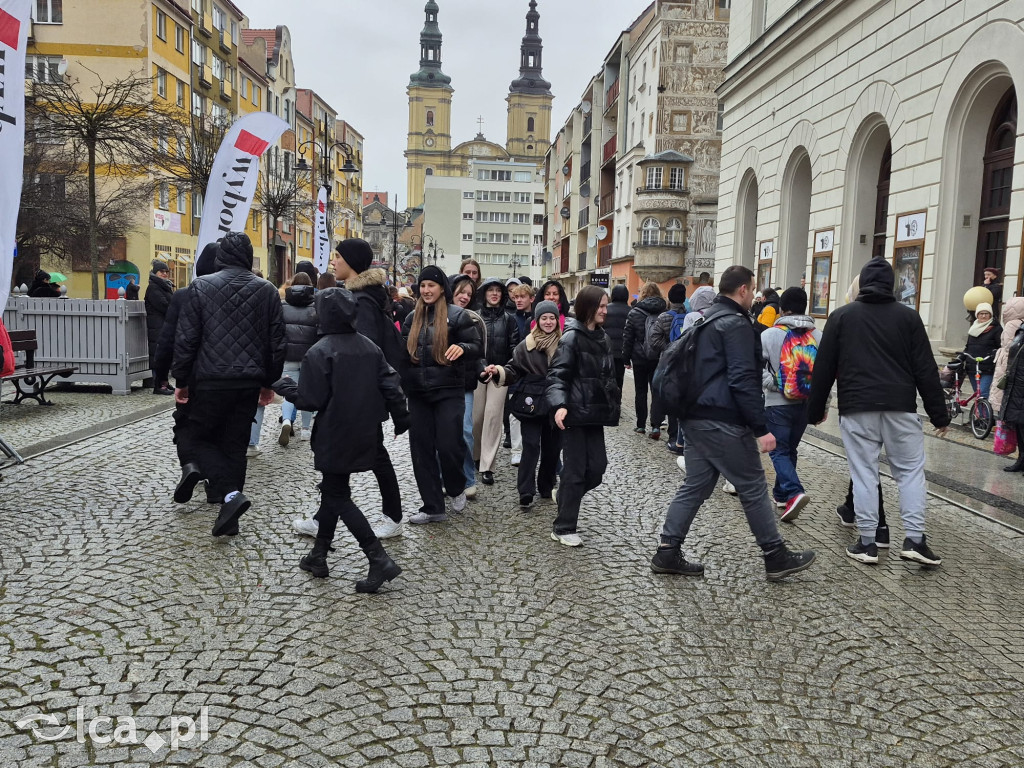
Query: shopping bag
x: 1006, y: 439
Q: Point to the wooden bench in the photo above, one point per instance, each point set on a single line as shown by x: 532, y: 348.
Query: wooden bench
x: 31, y: 380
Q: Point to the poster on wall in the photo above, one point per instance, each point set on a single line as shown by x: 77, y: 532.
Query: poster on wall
x: 908, y: 257
x: 821, y: 272
x: 764, y: 275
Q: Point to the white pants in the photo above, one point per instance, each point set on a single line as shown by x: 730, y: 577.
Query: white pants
x: 515, y: 432
x: 488, y: 417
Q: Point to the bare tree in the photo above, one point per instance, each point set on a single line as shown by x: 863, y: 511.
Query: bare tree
x: 280, y: 196
x: 114, y: 128
x: 192, y: 147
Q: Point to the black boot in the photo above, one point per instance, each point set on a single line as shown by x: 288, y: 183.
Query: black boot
x: 316, y: 561
x: 1017, y: 466
x: 230, y: 511
x: 190, y: 476
x: 382, y: 568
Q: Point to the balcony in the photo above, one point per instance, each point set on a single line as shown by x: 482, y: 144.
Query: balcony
x: 584, y: 218
x: 206, y: 76
x: 581, y: 263
x: 610, y: 148
x: 604, y: 255
x: 588, y: 124
x: 205, y: 25
x: 584, y: 173
x: 611, y: 95
x: 225, y: 90
x: 607, y: 204
x: 563, y: 264
x: 225, y: 41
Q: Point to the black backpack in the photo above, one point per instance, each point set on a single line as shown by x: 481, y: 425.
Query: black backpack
x: 675, y: 379
x: 645, y: 348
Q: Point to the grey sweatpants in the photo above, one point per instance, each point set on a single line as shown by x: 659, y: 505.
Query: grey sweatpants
x: 864, y: 434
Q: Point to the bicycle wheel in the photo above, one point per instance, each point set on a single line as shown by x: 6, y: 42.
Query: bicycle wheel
x: 951, y: 404
x: 981, y: 418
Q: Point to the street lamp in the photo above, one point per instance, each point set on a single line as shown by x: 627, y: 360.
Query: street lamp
x: 429, y: 253
x: 397, y: 222
x: 325, y: 149
x: 515, y: 263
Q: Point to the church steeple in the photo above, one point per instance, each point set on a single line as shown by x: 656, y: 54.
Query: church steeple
x: 430, y: 74
x: 531, y: 78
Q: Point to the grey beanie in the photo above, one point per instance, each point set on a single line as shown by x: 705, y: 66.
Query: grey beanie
x: 544, y: 308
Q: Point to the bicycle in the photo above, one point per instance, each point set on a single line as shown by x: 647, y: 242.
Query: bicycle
x: 980, y: 415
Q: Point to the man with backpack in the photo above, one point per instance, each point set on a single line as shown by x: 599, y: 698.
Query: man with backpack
x: 668, y: 328
x: 373, y: 320
x: 712, y: 379
x: 790, y: 348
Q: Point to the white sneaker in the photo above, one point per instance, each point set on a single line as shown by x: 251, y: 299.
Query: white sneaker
x: 470, y: 492
x: 729, y: 488
x: 304, y: 433
x: 516, y: 458
x: 681, y: 463
x: 568, y: 539
x: 307, y: 526
x: 459, y: 503
x: 286, y: 433
x: 422, y: 518
x: 388, y: 529
x: 252, y: 452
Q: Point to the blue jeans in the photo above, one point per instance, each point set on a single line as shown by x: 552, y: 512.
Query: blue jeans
x: 257, y: 427
x: 788, y: 424
x: 288, y: 410
x: 986, y: 384
x: 469, y: 466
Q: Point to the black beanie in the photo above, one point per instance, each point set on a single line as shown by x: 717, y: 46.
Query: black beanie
x: 434, y: 273
x: 357, y: 254
x: 307, y: 267
x: 794, y: 300
x: 206, y: 264
x: 677, y: 294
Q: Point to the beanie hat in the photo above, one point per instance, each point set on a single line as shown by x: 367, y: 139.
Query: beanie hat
x: 357, y: 253
x: 524, y: 280
x: 544, y: 308
x: 983, y: 307
x: 793, y: 300
x: 309, y: 269
x: 677, y: 294
x: 433, y: 273
x: 158, y: 266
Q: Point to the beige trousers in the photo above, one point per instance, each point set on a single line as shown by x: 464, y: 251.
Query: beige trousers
x: 488, y: 413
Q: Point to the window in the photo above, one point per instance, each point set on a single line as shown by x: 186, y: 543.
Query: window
x: 430, y: 118
x: 488, y: 175
x: 467, y: 216
x: 255, y: 96
x: 42, y: 69
x: 198, y: 54
x: 651, y: 232
x: 234, y: 32
x: 219, y: 18
x: 197, y: 5
x: 523, y: 176
x: 179, y: 38
x: 219, y: 114
x: 49, y: 11
x: 674, y: 232
x: 650, y: 124
x: 530, y: 125
x: 165, y: 196
x: 481, y: 237
x: 520, y: 239
x: 197, y: 104
x: 722, y: 8
x: 520, y: 218
x: 182, y: 200
x: 524, y: 197
x: 483, y: 194
x: 161, y: 25
x: 654, y: 177
x: 501, y: 197
x: 677, y: 178
x: 721, y: 117
x: 218, y: 67
x: 181, y: 94
x: 161, y: 83
x: 501, y: 238
x: 494, y: 217
x: 430, y: 171
x: 468, y: 237
x: 162, y: 144
x: 468, y: 195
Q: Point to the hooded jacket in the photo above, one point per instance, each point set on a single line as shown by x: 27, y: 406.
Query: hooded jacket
x: 502, y: 328
x: 158, y: 301
x: 206, y: 264
x: 231, y: 329
x: 428, y: 380
x: 635, y: 332
x: 700, y: 303
x: 615, y: 320
x: 299, y: 322
x: 771, y: 349
x: 374, y: 313
x: 347, y: 381
x: 42, y: 288
x: 1013, y: 319
x: 878, y: 351
x: 770, y: 309
x: 581, y: 378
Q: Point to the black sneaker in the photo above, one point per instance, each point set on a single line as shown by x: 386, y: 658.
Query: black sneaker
x: 863, y: 553
x: 507, y: 442
x: 487, y: 478
x: 230, y: 511
x: 919, y: 553
x: 783, y: 562
x: 526, y: 500
x: 882, y: 537
x: 640, y: 430
x: 671, y: 560
x: 190, y: 477
x: 847, y: 518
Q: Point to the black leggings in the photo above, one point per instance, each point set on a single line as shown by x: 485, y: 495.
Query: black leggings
x: 336, y: 504
x: 643, y: 376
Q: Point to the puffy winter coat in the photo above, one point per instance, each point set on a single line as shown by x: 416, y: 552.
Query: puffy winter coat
x: 983, y: 345
x: 528, y: 364
x: 375, y: 312
x: 299, y: 322
x: 502, y: 328
x: 878, y: 351
x: 428, y: 380
x: 1013, y: 318
x: 231, y: 329
x: 662, y: 331
x: 346, y: 380
x: 615, y: 321
x: 581, y: 378
x: 1013, y: 397
x: 635, y: 332
x: 473, y: 371
x: 158, y: 301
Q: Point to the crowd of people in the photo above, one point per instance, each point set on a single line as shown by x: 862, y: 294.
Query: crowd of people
x: 467, y: 365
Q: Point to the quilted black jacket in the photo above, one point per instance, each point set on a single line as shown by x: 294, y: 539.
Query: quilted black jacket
x: 231, y: 329
x: 430, y: 381
x: 581, y: 378
x: 299, y: 322
x: 502, y: 327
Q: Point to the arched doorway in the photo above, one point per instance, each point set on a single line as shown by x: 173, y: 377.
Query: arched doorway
x: 746, y: 221
x: 997, y: 184
x: 882, y: 204
x: 796, y: 220
x: 866, y: 200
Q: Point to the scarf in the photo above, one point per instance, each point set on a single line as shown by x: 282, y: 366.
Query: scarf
x: 545, y: 342
x: 979, y: 327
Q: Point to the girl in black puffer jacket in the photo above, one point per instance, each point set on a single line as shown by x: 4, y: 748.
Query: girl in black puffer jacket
x: 300, y: 334
x: 441, y: 341
x: 584, y: 398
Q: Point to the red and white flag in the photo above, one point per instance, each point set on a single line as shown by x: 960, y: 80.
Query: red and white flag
x: 321, y: 236
x: 235, y: 174
x: 14, y: 22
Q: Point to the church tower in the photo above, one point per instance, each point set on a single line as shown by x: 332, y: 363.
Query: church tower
x: 430, y: 112
x: 529, y: 98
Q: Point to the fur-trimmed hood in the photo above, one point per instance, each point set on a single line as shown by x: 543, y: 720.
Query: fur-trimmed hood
x: 371, y: 277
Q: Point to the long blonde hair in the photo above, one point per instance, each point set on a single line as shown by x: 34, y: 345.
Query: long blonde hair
x: 419, y: 319
x: 651, y: 290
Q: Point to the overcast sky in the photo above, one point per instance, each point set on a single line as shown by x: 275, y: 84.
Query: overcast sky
x: 358, y: 55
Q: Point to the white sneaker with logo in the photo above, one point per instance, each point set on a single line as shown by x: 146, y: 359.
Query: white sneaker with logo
x: 307, y: 526
x: 458, y: 504
x: 568, y: 539
x: 388, y: 529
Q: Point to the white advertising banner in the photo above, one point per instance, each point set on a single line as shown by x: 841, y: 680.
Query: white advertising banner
x: 321, y: 235
x: 14, y: 22
x: 235, y: 174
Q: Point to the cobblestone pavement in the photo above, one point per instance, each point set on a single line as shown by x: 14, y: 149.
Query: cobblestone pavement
x: 496, y: 646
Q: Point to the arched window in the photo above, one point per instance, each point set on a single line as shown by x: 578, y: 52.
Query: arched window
x: 430, y: 118
x: 430, y: 171
x: 650, y: 232
x: 674, y: 232
x: 530, y: 123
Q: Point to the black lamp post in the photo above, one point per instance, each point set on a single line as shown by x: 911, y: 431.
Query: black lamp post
x: 397, y: 222
x: 325, y: 149
x: 515, y: 263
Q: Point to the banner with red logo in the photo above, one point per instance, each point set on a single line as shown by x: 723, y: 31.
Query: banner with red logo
x: 14, y: 22
x: 321, y: 236
x: 235, y: 174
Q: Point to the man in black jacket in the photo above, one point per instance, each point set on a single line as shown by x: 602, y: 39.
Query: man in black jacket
x: 724, y: 423
x: 230, y: 349
x: 878, y: 351
x: 158, y: 300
